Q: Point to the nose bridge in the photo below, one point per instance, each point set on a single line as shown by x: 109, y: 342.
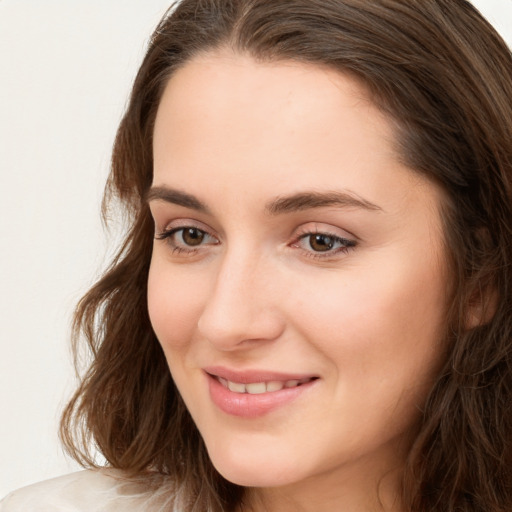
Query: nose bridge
x: 240, y: 307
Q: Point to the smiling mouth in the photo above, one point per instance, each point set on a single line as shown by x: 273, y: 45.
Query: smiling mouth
x: 258, y: 388
x: 254, y: 393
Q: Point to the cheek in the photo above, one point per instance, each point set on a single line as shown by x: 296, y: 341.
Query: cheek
x: 378, y: 325
x: 175, y: 301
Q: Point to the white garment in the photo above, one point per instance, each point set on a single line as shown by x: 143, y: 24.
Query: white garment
x: 104, y: 490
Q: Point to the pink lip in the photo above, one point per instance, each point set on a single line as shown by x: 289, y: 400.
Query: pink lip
x: 251, y: 406
x: 248, y: 376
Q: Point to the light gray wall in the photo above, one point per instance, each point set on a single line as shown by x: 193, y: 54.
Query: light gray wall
x: 65, y: 71
x: 66, y: 68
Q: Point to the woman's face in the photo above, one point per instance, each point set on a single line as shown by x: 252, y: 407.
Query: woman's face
x: 298, y: 278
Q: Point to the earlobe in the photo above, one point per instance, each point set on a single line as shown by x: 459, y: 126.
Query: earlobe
x: 482, y: 307
x: 483, y: 289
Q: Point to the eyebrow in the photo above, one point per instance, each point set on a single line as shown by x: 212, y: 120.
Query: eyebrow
x: 171, y: 195
x: 308, y: 200
x: 287, y: 204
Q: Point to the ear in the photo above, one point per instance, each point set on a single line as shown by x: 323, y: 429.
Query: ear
x: 482, y: 306
x: 483, y: 290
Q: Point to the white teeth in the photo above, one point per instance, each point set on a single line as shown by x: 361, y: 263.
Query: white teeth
x: 274, y: 385
x: 236, y: 387
x: 257, y: 388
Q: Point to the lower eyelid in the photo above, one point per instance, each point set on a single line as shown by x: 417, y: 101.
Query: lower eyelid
x: 327, y: 256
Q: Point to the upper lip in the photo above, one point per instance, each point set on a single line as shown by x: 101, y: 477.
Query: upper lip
x: 254, y: 375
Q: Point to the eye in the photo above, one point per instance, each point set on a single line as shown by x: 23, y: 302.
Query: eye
x: 318, y: 245
x: 186, y: 238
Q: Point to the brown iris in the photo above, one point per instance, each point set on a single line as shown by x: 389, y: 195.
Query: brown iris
x: 192, y: 236
x: 321, y: 243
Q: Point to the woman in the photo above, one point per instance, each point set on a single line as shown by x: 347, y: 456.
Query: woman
x: 319, y: 252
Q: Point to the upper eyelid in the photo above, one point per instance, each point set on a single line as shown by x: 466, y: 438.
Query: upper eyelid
x: 320, y: 228
x: 183, y: 223
x: 159, y: 210
x: 326, y: 226
x: 351, y: 242
x: 329, y: 235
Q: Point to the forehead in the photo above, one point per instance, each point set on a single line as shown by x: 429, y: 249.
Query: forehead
x: 217, y: 82
x: 244, y: 76
x: 273, y: 127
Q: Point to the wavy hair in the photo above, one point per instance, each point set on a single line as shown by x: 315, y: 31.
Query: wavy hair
x: 444, y: 76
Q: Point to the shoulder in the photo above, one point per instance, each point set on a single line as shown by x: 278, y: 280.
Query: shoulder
x: 105, y: 490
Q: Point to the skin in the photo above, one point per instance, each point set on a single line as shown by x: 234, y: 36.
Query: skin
x: 255, y: 293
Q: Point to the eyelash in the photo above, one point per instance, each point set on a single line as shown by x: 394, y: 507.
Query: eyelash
x: 345, y: 244
x: 168, y: 236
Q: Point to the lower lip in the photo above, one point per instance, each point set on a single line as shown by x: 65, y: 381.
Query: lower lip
x: 246, y: 405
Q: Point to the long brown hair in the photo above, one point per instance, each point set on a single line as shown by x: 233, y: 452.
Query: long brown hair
x: 442, y: 73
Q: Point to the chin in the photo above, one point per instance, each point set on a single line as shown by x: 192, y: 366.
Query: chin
x: 249, y: 477
x: 260, y: 471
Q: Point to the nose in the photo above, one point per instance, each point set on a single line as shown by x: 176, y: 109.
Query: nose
x: 241, y: 308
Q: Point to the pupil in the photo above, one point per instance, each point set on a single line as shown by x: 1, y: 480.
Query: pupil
x: 193, y: 236
x: 321, y: 242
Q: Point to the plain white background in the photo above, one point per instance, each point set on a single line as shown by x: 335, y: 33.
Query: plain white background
x: 66, y: 68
